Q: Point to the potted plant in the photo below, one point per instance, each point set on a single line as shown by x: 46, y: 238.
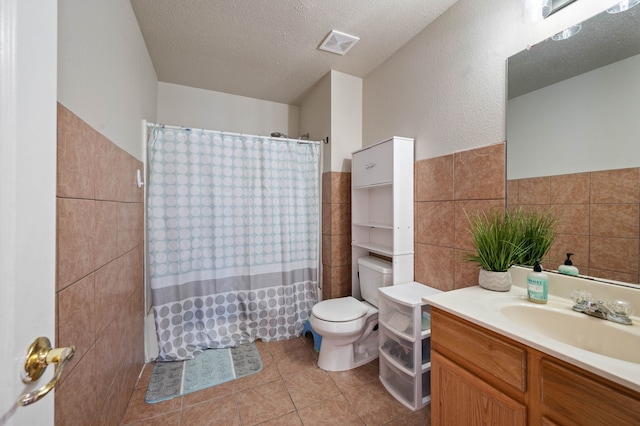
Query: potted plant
x: 537, y: 233
x: 498, y: 242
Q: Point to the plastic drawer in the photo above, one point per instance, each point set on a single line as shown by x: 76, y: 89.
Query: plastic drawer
x: 396, y: 316
x: 425, y: 318
x: 426, y: 384
x: 398, y: 383
x: 426, y: 350
x: 396, y: 348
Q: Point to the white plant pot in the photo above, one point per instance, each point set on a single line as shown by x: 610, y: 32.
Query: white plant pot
x: 496, y: 281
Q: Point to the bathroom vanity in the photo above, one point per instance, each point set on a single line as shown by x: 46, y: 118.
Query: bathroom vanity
x: 487, y: 369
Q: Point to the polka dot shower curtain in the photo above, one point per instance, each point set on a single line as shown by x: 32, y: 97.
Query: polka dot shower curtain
x: 232, y: 238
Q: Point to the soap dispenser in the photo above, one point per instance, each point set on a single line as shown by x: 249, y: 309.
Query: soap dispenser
x: 568, y: 268
x: 537, y: 284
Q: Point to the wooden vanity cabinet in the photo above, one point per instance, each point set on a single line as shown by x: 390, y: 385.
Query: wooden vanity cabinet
x: 479, y: 377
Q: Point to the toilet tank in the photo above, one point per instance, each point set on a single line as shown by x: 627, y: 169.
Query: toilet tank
x: 374, y: 273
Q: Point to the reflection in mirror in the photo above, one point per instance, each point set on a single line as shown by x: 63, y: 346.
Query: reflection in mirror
x: 573, y: 142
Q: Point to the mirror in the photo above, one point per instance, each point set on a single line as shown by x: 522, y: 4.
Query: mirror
x: 573, y: 142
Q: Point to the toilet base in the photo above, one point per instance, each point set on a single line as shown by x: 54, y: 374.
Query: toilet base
x: 346, y: 357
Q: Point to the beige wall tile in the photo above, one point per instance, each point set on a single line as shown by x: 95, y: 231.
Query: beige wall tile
x: 130, y: 229
x: 75, y: 240
x: 615, y: 186
x: 340, y: 219
x: 109, y: 294
x: 326, y: 282
x: 614, y: 254
x: 340, y: 187
x: 614, y: 275
x: 466, y: 274
x: 340, y: 250
x: 326, y: 250
x: 107, y: 358
x: 570, y: 189
x: 513, y: 193
x: 107, y: 169
x: 326, y: 219
x: 76, y: 319
x: 480, y: 173
x: 75, y: 157
x: 326, y: 187
x: 106, y: 232
x: 75, y: 397
x: 435, y: 223
x: 434, y: 179
x: 615, y: 220
x: 534, y: 191
x: 434, y: 266
x: 341, y: 281
x: 572, y: 218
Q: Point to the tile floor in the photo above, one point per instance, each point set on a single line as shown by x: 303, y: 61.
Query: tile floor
x: 290, y: 390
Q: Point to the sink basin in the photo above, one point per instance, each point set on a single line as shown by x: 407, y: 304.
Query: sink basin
x: 603, y: 337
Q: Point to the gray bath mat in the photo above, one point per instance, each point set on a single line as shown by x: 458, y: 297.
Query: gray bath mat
x: 209, y: 368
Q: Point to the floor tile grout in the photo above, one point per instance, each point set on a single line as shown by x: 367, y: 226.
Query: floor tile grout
x: 350, y: 381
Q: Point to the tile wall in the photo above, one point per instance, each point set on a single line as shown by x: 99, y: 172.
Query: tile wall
x: 336, y: 235
x: 599, y: 219
x: 445, y: 188
x: 99, y: 277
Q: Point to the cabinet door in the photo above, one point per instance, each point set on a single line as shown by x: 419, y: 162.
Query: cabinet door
x: 571, y: 396
x: 460, y: 398
x: 360, y: 168
x: 381, y: 163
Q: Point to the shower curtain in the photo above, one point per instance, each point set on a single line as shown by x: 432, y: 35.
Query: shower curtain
x: 232, y: 238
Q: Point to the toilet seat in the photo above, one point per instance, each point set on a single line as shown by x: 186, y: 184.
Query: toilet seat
x: 339, y: 310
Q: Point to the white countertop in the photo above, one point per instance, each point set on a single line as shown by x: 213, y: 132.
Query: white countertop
x: 482, y: 307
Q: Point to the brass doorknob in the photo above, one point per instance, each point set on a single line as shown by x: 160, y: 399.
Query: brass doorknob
x: 39, y: 356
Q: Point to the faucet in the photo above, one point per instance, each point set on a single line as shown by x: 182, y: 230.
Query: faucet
x: 597, y: 309
x: 618, y: 311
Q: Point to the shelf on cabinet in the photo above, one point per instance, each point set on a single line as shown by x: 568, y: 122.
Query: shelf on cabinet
x: 375, y: 225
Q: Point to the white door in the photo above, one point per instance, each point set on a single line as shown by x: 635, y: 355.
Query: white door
x: 28, y: 50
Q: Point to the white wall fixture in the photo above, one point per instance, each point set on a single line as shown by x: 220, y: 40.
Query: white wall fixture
x: 139, y: 180
x: 338, y: 42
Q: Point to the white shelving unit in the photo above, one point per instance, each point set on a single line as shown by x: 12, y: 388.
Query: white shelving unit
x: 405, y: 343
x: 382, y: 206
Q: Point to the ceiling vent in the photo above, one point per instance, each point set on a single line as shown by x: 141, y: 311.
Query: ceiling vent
x: 338, y: 43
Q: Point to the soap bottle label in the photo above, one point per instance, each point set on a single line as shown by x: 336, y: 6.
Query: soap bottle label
x: 537, y: 289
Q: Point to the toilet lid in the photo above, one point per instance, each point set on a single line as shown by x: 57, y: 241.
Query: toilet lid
x: 339, y: 310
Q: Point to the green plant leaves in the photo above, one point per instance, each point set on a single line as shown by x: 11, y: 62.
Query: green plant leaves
x: 505, y: 238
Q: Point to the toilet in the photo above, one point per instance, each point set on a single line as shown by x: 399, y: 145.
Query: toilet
x: 348, y: 326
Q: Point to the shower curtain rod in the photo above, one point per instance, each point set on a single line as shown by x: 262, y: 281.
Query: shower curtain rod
x: 165, y: 126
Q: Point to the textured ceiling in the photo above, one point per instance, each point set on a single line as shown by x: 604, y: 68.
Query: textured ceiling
x: 267, y: 49
x: 603, y: 39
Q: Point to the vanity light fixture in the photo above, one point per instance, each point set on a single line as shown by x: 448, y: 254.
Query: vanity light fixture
x: 537, y: 10
x: 567, y: 32
x: 623, y: 6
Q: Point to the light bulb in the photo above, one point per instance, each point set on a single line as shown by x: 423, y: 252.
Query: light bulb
x: 623, y: 6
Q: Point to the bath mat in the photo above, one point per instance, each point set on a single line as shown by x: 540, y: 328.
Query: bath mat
x: 209, y: 368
